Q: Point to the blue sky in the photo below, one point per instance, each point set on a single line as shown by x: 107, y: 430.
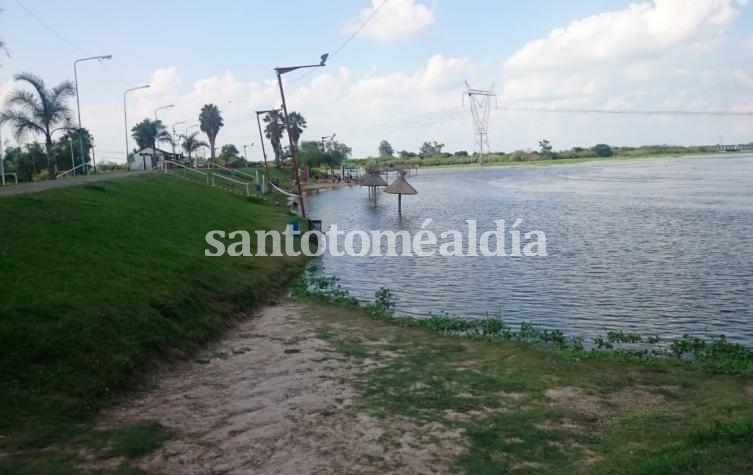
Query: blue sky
x: 400, y: 79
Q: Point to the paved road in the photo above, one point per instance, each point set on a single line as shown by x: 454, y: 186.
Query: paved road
x: 62, y: 183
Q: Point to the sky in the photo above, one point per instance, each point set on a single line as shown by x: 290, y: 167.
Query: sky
x: 401, y: 77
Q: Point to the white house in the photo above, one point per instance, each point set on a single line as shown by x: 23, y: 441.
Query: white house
x: 149, y: 158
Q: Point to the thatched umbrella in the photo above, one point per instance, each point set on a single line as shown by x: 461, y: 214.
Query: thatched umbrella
x: 400, y: 187
x: 372, y: 179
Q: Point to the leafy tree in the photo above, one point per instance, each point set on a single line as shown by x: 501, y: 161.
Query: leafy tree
x: 230, y: 155
x: 297, y: 124
x: 429, y: 149
x: 461, y: 153
x: 41, y: 111
x: 544, y: 146
x: 335, y: 153
x: 26, y: 161
x: 70, y: 141
x: 310, y: 154
x: 210, y: 122
x: 404, y: 154
x: 385, y: 149
x: 274, y: 130
x: 191, y: 144
x: 603, y: 150
x: 148, y: 133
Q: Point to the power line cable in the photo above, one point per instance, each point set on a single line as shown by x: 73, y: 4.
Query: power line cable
x: 716, y: 113
x: 51, y: 30
x: 66, y: 41
x: 348, y: 40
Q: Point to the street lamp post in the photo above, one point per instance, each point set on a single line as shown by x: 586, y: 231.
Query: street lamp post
x: 245, y: 155
x: 161, y: 108
x: 125, y: 113
x: 261, y: 138
x: 175, y: 136
x: 293, y: 151
x: 78, y: 109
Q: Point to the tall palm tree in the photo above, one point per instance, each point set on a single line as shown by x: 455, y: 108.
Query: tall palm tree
x: 274, y: 130
x: 297, y: 124
x: 191, y: 144
x: 41, y: 111
x: 148, y: 133
x: 210, y: 122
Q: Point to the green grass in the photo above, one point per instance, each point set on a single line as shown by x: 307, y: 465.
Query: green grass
x: 133, y: 440
x: 659, y: 416
x: 97, y: 280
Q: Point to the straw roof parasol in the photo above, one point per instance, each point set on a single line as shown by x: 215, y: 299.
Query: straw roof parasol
x: 372, y: 179
x: 400, y: 186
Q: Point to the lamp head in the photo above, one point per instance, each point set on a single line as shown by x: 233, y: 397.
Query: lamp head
x: 324, y: 59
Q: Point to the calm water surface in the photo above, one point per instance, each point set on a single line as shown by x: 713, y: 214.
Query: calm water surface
x: 658, y: 246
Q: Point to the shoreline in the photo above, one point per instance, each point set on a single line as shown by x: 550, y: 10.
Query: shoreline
x: 577, y: 161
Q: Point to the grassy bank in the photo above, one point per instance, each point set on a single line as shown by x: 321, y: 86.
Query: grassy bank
x: 97, y: 280
x: 524, y: 407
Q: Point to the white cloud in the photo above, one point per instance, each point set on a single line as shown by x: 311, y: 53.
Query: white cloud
x: 395, y: 20
x: 332, y: 102
x: 641, y: 31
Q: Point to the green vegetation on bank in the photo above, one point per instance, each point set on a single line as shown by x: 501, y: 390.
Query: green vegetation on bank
x: 526, y: 402
x: 97, y: 280
x: 545, y: 155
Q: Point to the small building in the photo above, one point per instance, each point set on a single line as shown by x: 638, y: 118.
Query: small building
x: 149, y: 158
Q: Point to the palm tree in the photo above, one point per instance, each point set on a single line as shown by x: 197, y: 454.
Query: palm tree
x: 148, y: 133
x: 274, y: 130
x: 210, y: 122
x: 41, y: 112
x: 297, y: 124
x: 191, y: 144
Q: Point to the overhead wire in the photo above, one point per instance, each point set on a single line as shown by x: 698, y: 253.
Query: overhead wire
x: 348, y: 40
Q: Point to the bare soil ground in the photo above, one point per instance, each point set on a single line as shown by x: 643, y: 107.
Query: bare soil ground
x: 271, y: 397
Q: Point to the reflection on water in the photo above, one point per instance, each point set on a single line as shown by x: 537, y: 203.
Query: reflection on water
x: 656, y: 246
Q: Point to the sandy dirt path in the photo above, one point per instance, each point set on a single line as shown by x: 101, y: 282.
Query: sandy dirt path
x: 271, y: 397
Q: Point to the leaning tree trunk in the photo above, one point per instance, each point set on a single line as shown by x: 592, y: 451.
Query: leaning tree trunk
x: 50, y: 158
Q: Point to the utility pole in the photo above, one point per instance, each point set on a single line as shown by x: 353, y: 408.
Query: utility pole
x: 293, y: 149
x: 480, y: 100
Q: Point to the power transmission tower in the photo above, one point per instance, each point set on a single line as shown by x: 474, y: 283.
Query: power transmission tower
x: 481, y: 103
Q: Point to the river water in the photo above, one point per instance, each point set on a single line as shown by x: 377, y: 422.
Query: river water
x: 660, y: 246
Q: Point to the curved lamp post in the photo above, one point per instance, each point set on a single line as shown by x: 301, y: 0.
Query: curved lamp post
x: 293, y: 152
x: 78, y: 109
x: 125, y: 113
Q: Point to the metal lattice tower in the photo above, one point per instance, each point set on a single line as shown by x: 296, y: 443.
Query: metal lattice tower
x: 481, y: 104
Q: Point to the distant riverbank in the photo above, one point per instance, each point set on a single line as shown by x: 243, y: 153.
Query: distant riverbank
x: 528, y: 158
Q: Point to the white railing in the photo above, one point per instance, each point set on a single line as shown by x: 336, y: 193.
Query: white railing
x: 67, y: 172
x: 210, y: 177
x: 184, y: 168
x: 231, y: 181
x: 232, y: 170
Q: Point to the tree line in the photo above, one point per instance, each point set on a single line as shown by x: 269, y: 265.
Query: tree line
x: 40, y: 111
